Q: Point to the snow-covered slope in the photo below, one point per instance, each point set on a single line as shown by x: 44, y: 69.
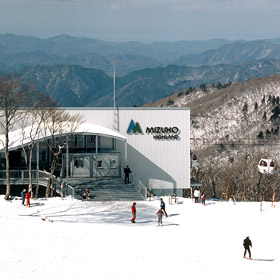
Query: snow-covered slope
x: 92, y: 240
x: 231, y: 116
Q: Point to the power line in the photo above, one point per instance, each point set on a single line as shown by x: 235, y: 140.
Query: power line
x: 236, y: 120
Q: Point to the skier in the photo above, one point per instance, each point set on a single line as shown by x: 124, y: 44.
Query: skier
x: 126, y: 174
x: 133, y: 210
x: 23, y: 196
x: 27, y: 197
x: 160, y: 213
x: 247, y: 243
x: 162, y: 206
x: 203, y: 198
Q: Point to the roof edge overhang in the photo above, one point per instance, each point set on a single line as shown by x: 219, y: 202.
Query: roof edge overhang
x: 22, y: 137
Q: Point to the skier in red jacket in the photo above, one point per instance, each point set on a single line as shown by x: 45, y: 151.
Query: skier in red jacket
x: 133, y: 210
x: 27, y: 197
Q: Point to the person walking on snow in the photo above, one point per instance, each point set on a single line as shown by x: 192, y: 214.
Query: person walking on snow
x: 23, y: 196
x: 247, y: 243
x: 133, y: 210
x: 27, y: 197
x: 160, y: 213
x: 162, y: 206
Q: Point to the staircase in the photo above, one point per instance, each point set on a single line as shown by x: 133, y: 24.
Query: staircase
x: 106, y: 189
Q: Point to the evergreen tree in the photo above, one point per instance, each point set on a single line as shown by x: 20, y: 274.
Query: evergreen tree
x: 203, y: 87
x: 275, y: 114
x: 273, y: 100
x: 190, y: 89
x: 219, y: 85
x: 256, y: 106
x: 170, y: 102
x: 245, y: 108
x: 260, y: 135
x: 264, y: 117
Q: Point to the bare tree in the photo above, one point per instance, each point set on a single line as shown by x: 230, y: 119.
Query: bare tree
x: 56, y: 125
x: 209, y: 175
x: 31, y: 127
x: 14, y: 94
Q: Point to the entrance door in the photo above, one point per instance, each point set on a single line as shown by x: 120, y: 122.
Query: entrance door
x: 81, y: 166
x: 92, y: 165
x: 106, y: 165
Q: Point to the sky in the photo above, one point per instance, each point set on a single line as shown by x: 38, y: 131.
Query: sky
x: 142, y: 20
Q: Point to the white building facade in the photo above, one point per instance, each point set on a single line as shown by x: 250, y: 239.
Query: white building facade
x: 157, y: 145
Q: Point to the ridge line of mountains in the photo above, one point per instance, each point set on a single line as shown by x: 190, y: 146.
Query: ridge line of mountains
x: 77, y: 71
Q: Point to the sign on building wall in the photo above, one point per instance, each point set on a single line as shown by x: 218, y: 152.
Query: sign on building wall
x: 157, y: 132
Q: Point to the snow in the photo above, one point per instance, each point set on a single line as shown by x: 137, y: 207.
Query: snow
x: 95, y: 240
x: 20, y: 137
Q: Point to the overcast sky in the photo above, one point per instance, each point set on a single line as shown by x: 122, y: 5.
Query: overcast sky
x: 142, y: 20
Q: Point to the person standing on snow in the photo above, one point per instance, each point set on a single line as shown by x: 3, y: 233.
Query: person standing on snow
x: 27, y: 197
x: 23, y: 193
x: 126, y: 174
x: 247, y: 243
x: 133, y: 210
x: 160, y: 213
x: 203, y: 198
x: 196, y: 195
x: 162, y: 206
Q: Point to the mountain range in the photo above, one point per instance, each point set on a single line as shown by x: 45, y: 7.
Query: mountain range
x: 17, y: 52
x: 77, y: 71
x: 73, y: 85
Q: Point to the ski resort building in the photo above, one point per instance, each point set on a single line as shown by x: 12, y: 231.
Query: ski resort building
x: 154, y: 142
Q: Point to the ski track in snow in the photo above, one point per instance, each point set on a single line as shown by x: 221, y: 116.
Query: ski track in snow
x: 95, y: 240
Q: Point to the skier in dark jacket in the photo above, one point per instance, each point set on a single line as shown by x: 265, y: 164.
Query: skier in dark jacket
x: 247, y: 243
x: 162, y: 206
x: 23, y: 193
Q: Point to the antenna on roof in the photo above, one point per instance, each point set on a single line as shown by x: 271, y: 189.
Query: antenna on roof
x: 114, y: 81
x: 115, y: 123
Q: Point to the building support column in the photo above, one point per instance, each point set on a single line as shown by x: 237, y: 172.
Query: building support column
x: 125, y: 153
x: 67, y: 158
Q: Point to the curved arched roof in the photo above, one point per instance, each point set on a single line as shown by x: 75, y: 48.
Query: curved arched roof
x: 20, y: 137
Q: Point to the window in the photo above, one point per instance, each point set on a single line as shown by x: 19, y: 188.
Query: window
x: 99, y: 164
x: 78, y: 162
x: 113, y: 164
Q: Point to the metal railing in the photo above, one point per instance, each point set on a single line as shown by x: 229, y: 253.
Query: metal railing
x: 139, y: 186
x: 59, y: 185
x: 40, y: 177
